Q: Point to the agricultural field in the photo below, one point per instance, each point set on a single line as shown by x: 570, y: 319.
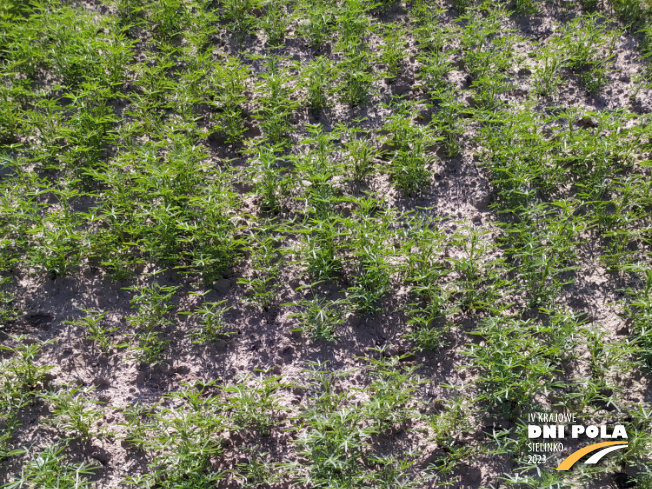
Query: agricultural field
x: 323, y: 243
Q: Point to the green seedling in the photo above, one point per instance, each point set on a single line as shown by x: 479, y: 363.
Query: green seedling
x: 410, y: 159
x: 333, y: 438
x: 319, y: 22
x: 479, y: 280
x: 319, y: 248
x: 277, y: 100
x: 393, y: 51
x: 138, y: 422
x: 448, y: 124
x: 461, y: 6
x: 8, y: 312
x: 254, y: 401
x: 424, y: 271
x: 24, y: 371
x: 392, y: 391
x: 257, y: 470
x: 410, y: 170
x: 393, y: 471
x: 547, y: 79
x: 319, y: 317
x: 356, y: 75
x: 270, y: 182
x: 274, y: 21
x: 319, y: 76
x: 434, y: 70
x: 182, y: 435
x: 96, y: 331
x: 589, y: 5
x: 484, y: 52
x: 353, y: 24
x: 263, y: 283
x: 629, y: 11
x: 228, y: 82
x: 317, y: 170
x: 171, y: 18
x: 514, y: 365
x: 525, y: 7
x: 212, y: 325
x: 74, y: 413
x: 153, y: 303
x: 371, y: 275
x: 361, y: 154
x: 241, y: 18
x: 50, y: 469
x: 590, y: 50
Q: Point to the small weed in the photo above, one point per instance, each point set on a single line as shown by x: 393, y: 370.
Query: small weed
x: 357, y: 76
x: 392, y: 391
x: 212, y: 325
x: 270, y: 183
x: 546, y: 75
x: 393, y: 51
x: 25, y: 373
x: 318, y: 317
x: 361, y: 153
x: 138, y: 422
x: 153, y: 303
x: 96, y: 331
x: 590, y: 50
x: 8, y: 312
x: 274, y: 21
x: 262, y: 284
x: 73, y: 412
x: 49, y: 469
x: 318, y: 81
x: 257, y: 470
x: 254, y: 402
x: 183, y: 439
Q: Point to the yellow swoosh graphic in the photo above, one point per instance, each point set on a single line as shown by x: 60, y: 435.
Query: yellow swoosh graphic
x: 575, y: 456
